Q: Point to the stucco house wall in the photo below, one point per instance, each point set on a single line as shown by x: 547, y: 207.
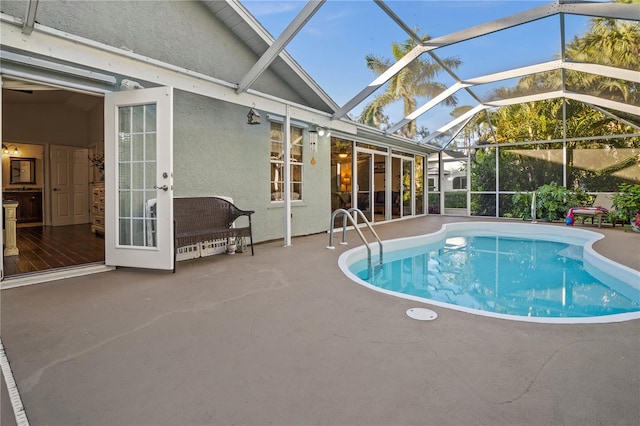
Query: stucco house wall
x: 182, y: 33
x: 215, y: 151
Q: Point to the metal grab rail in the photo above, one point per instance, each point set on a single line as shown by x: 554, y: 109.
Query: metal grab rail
x: 347, y: 214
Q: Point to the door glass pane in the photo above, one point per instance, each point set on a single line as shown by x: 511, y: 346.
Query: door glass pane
x: 396, y: 186
x: 419, y: 184
x: 341, y: 175
x: 364, y: 184
x: 433, y: 184
x: 407, y: 187
x: 137, y: 175
x: 379, y: 186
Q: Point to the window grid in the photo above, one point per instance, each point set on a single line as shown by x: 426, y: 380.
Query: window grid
x: 136, y: 176
x: 277, y: 163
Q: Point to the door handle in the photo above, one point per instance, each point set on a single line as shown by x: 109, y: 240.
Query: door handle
x: 56, y: 189
x: 163, y: 187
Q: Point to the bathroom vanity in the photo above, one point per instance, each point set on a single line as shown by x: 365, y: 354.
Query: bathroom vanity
x: 29, y: 203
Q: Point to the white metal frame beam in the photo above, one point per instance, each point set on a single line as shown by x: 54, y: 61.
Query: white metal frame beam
x: 515, y: 72
x: 42, y: 64
x: 463, y: 118
x: 426, y: 107
x: 604, y: 103
x: 382, y: 79
x: 603, y: 70
x: 398, y: 21
x: 278, y: 46
x: 605, y: 10
x: 587, y: 99
x: 524, y: 99
x: 284, y: 56
x: 615, y: 117
x: 30, y: 17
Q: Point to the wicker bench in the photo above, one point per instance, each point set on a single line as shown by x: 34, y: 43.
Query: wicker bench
x: 199, y: 219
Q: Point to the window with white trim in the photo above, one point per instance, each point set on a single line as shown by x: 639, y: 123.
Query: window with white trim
x: 460, y: 182
x: 277, y: 162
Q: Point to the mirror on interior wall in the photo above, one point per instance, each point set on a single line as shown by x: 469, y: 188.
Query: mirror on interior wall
x: 23, y: 170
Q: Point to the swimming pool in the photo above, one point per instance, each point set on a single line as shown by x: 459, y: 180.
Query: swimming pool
x: 525, y: 272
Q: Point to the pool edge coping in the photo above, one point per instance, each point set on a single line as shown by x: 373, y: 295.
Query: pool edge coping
x: 590, y: 256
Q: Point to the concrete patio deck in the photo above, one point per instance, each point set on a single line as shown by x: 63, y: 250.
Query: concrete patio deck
x: 284, y: 338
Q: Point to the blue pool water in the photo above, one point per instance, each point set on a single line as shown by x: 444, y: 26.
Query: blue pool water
x: 503, y: 275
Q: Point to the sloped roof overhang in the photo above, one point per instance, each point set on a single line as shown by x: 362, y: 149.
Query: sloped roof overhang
x: 271, y: 52
x: 55, y: 48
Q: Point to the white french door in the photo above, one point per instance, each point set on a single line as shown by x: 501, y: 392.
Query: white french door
x: 139, y: 178
x: 370, y: 177
x: 364, y: 183
x: 402, y: 170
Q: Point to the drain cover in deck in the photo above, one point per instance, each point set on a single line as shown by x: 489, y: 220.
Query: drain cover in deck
x: 422, y: 314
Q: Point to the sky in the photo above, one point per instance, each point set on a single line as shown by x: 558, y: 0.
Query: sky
x: 333, y: 45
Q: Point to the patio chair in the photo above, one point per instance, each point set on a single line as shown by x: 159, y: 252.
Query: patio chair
x: 602, y: 206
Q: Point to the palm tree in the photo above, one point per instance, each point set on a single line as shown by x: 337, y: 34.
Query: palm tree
x: 412, y: 82
x: 612, y: 42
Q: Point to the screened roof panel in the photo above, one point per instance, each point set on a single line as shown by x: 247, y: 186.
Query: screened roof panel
x: 441, y: 115
x: 607, y: 38
x: 497, y: 51
x: 434, y: 117
x: 439, y: 18
x: 615, y: 89
x: 521, y: 86
x: 508, y: 52
x: 575, y: 26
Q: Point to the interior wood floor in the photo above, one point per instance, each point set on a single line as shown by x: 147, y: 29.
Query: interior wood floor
x: 49, y: 247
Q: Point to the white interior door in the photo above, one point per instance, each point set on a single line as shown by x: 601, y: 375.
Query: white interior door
x: 139, y: 178
x: 69, y: 185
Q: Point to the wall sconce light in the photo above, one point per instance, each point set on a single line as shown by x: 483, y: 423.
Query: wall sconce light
x: 313, y: 140
x: 253, y: 117
x: 323, y: 132
x: 8, y: 150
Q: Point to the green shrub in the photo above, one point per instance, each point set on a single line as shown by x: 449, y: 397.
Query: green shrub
x: 552, y: 202
x: 521, y: 205
x: 626, y: 203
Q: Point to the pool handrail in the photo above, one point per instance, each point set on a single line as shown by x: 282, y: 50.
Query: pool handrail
x: 347, y: 213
